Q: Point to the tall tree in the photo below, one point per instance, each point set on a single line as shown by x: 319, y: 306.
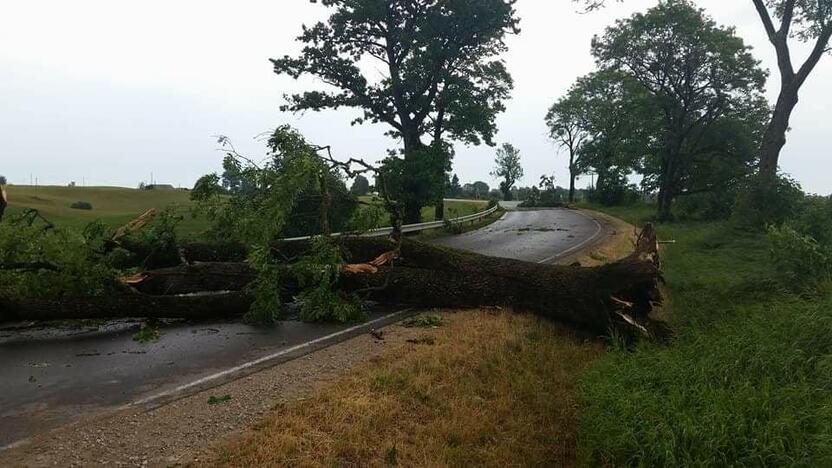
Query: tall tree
x: 568, y: 126
x: 695, y: 71
x: 623, y: 126
x: 360, y: 186
x: 454, y: 187
x: 807, y: 21
x: 441, y: 76
x: 508, y: 168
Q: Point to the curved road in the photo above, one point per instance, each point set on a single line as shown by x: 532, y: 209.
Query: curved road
x: 52, y: 375
x: 542, y: 236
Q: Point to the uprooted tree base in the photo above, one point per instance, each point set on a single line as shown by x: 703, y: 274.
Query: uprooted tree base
x: 595, y: 298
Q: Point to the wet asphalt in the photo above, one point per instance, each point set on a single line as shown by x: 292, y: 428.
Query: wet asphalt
x: 540, y: 236
x: 50, y: 374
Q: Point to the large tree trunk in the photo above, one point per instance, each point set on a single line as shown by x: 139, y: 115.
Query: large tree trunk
x: 412, y: 207
x: 423, y: 275
x: 571, y: 175
x: 775, y: 136
x: 439, y: 210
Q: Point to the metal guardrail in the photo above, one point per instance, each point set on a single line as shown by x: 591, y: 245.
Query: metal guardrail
x: 386, y: 231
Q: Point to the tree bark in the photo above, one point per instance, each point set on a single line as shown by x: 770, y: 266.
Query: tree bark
x: 439, y: 210
x: 3, y: 202
x: 790, y: 82
x: 412, y: 206
x: 423, y: 275
x: 775, y: 137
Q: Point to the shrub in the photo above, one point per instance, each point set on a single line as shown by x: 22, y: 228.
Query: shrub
x: 708, y: 206
x: 815, y: 219
x: 81, y: 205
x: 799, y: 258
x: 766, y: 202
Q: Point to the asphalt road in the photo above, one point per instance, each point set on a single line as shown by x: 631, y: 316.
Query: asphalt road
x: 50, y: 375
x: 542, y: 236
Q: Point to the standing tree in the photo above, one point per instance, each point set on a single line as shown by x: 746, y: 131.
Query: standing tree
x: 695, y: 72
x: 360, y: 186
x: 568, y: 127
x: 508, y: 168
x: 805, y: 20
x: 440, y: 79
x: 454, y: 187
x: 621, y: 128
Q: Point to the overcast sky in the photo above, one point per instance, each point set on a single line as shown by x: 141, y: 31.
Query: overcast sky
x: 107, y: 92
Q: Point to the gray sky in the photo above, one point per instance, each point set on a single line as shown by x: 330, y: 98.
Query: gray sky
x: 108, y: 92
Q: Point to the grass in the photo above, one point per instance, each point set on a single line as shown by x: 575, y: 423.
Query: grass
x: 116, y: 206
x: 748, y: 381
x: 493, y: 389
x: 215, y: 400
x: 147, y: 334
x: 431, y: 320
x: 453, y: 209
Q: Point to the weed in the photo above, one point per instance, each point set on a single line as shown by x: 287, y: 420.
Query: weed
x: 386, y: 381
x: 214, y: 400
x: 432, y: 320
x: 423, y: 340
x: 147, y: 334
x: 391, y: 457
x: 454, y: 440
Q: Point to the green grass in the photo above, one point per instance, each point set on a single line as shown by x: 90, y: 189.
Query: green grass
x: 116, y: 206
x: 748, y: 380
x: 453, y: 209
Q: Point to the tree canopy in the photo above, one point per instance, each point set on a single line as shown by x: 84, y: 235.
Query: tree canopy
x: 805, y: 20
x: 695, y: 73
x: 360, y: 186
x: 441, y: 76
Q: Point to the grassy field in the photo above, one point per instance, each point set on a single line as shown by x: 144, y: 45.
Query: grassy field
x: 748, y: 381
x: 486, y: 388
x: 116, y: 206
x: 453, y: 209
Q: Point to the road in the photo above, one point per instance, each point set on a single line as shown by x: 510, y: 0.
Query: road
x: 542, y: 236
x: 50, y: 375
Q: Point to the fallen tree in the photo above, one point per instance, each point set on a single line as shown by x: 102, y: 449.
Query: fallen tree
x: 330, y: 277
x: 595, y: 298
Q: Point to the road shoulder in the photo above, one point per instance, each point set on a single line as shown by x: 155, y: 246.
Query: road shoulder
x: 615, y: 242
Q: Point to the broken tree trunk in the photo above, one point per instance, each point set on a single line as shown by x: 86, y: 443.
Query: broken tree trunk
x: 421, y: 274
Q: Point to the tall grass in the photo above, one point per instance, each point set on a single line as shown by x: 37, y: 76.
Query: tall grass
x: 748, y: 381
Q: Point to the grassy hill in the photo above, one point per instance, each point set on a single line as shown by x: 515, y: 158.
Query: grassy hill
x: 116, y: 206
x: 113, y: 205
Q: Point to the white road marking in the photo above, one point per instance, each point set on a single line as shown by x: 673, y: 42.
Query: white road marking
x: 580, y: 245
x: 261, y: 360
